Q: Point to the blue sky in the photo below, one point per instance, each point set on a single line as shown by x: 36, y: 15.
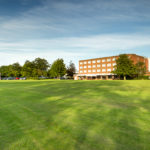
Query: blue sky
x: 72, y: 29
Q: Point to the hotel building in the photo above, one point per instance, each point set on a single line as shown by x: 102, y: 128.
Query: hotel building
x: 101, y: 68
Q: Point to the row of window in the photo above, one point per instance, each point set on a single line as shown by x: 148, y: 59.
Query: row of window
x: 94, y: 66
x: 98, y: 61
x: 98, y: 70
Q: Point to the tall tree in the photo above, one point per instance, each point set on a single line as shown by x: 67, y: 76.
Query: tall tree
x: 41, y: 64
x: 16, y: 69
x: 58, y: 68
x: 71, y: 69
x: 41, y: 67
x: 27, y: 69
x: 5, y: 71
x: 140, y: 69
x: 124, y: 66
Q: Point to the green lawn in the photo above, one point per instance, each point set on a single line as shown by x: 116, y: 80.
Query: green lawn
x: 74, y: 115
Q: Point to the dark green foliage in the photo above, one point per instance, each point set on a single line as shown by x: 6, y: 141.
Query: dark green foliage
x: 41, y: 64
x: 58, y: 68
x: 37, y: 68
x: 16, y: 70
x: 27, y: 69
x: 5, y: 71
x: 13, y: 70
x: 140, y: 69
x: 124, y: 67
x: 40, y: 67
x: 71, y: 69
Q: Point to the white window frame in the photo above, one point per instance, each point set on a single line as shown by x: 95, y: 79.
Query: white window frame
x: 103, y: 60
x: 103, y: 65
x: 114, y: 59
x: 108, y: 59
x: 109, y: 70
x: 114, y: 64
x: 109, y: 65
x: 103, y: 70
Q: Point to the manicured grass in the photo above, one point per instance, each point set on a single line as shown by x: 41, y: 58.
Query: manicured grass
x: 74, y: 115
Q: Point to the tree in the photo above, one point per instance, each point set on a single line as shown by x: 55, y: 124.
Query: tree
x: 124, y: 66
x: 27, y: 69
x: 36, y: 68
x: 140, y: 69
x: 16, y: 69
x: 41, y: 64
x: 71, y: 69
x: 58, y: 68
x: 5, y: 71
x: 41, y: 67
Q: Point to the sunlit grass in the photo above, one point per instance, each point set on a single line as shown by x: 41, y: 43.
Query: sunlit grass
x: 74, y: 115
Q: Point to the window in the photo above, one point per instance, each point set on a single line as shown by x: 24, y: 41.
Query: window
x: 109, y: 70
x: 94, y: 66
x: 81, y: 67
x: 98, y: 61
x: 103, y: 70
x: 98, y: 65
x: 108, y: 59
x: 85, y: 62
x: 114, y: 59
x: 108, y: 65
x: 103, y: 65
x: 94, y: 70
x: 89, y: 70
x: 93, y: 61
x: 85, y: 67
x: 89, y: 66
x: 89, y: 62
x: 84, y: 71
x: 81, y: 63
x: 81, y: 71
x: 114, y: 64
x: 98, y: 70
x: 103, y: 60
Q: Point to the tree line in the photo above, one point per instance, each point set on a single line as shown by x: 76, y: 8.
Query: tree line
x: 39, y: 68
x: 125, y: 68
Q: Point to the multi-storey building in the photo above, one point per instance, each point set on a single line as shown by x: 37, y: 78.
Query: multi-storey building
x: 101, y: 68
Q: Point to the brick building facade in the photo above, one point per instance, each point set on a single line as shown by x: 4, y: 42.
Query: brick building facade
x: 101, y: 68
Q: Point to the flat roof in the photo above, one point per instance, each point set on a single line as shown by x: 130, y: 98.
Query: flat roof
x: 109, y: 57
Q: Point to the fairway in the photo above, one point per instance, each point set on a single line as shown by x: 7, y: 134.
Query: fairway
x: 74, y: 115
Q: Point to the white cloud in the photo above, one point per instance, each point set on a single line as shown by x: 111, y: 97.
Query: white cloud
x: 99, y: 42
x: 33, y: 33
x: 70, y: 48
